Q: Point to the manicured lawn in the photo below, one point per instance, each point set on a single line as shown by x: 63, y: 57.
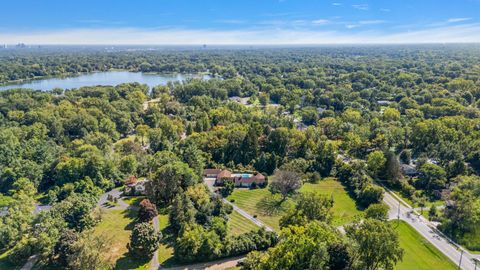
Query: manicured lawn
x: 344, y: 207
x: 419, y: 253
x: 118, y: 224
x: 238, y: 224
x: 250, y: 200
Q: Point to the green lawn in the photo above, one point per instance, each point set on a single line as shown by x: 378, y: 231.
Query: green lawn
x: 344, y: 207
x: 238, y: 224
x: 118, y: 225
x: 419, y: 253
x: 250, y: 201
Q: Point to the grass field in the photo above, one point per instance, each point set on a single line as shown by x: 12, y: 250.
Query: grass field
x: 238, y: 224
x: 118, y: 224
x: 344, y: 207
x: 249, y: 200
x: 419, y: 253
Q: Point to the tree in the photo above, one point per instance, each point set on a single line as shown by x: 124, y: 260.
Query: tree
x: 370, y: 194
x: 286, y: 183
x: 91, y: 251
x: 375, y: 161
x: 432, y: 177
x: 228, y: 187
x: 376, y: 244
x: 147, y: 211
x: 168, y: 180
x: 309, y: 207
x: 144, y: 240
x: 432, y: 213
x: 378, y: 211
x: 64, y: 249
x: 391, y: 171
x: 16, y: 222
x: 183, y: 212
x: 324, y: 158
x: 463, y: 215
x: 300, y: 247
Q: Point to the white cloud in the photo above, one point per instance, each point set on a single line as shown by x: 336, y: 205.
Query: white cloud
x: 280, y: 36
x: 361, y: 7
x: 336, y: 4
x: 351, y: 26
x: 368, y: 22
x: 320, y: 21
x: 454, y: 20
x: 385, y: 10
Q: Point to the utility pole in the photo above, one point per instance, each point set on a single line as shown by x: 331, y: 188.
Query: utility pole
x: 398, y: 214
x: 460, y: 262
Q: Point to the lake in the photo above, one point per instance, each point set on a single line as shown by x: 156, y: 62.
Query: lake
x: 102, y: 78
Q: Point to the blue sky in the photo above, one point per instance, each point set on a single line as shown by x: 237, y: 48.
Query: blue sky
x: 239, y: 21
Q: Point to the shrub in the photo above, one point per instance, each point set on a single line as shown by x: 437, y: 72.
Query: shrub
x: 147, y: 211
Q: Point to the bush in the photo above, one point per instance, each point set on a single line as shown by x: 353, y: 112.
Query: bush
x: 147, y: 211
x: 370, y: 194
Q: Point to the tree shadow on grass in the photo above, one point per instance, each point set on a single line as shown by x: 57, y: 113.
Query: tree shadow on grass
x: 272, y: 205
x: 128, y: 261
x: 131, y: 214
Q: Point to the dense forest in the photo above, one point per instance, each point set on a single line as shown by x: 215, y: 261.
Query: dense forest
x: 403, y: 117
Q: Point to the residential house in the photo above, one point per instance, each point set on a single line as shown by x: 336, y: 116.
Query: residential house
x: 136, y: 188
x: 239, y: 179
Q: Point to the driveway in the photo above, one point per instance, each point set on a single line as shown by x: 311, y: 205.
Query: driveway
x: 115, y: 193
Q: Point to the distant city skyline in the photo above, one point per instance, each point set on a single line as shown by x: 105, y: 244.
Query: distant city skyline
x: 239, y: 22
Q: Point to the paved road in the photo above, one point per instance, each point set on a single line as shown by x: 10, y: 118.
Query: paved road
x: 428, y: 231
x: 213, y: 265
x: 30, y: 262
x: 155, y: 264
x: 115, y: 193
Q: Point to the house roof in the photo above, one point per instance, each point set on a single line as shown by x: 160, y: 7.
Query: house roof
x: 211, y: 171
x: 259, y: 176
x: 224, y: 173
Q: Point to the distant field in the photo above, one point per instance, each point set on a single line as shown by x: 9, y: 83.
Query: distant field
x: 419, y: 253
x: 344, y: 207
x: 238, y: 224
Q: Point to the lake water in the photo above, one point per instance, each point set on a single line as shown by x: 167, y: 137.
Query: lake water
x: 103, y: 78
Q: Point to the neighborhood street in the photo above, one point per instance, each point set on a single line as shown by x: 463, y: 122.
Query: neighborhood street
x: 428, y: 231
